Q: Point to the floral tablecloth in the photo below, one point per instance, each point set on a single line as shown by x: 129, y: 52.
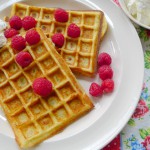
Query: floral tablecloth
x: 136, y: 134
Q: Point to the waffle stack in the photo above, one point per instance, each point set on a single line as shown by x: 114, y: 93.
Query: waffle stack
x: 32, y: 117
x: 79, y: 53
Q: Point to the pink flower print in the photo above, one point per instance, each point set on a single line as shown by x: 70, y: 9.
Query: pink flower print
x: 148, y: 33
x: 146, y: 142
x: 114, y: 144
x: 144, y: 86
x: 141, y: 109
x: 117, y: 2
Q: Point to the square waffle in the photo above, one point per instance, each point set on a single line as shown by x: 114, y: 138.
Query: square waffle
x: 79, y: 53
x: 32, y: 117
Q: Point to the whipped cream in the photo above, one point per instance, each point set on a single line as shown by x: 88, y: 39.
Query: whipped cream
x: 3, y: 39
x: 3, y: 25
x: 140, y: 10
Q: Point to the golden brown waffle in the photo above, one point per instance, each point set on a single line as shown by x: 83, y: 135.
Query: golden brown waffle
x: 80, y: 53
x: 32, y: 117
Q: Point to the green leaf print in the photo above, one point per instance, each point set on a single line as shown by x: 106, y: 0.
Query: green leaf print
x: 147, y: 59
x: 143, y: 133
x: 131, y: 122
x: 148, y: 106
x: 148, y: 99
x: 146, y: 90
x: 148, y: 130
x: 126, y: 143
x: 143, y: 34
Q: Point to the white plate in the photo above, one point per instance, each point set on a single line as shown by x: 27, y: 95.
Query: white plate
x: 112, y: 111
x: 124, y: 8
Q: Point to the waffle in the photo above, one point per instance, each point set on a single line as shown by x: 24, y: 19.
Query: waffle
x: 79, y: 53
x: 32, y: 117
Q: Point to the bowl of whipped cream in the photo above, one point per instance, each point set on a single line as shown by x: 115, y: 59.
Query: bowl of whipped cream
x: 138, y: 11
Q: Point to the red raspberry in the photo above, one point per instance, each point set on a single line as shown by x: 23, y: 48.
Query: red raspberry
x: 73, y: 30
x: 18, y: 43
x: 42, y: 87
x: 32, y: 37
x: 95, y: 90
x: 15, y: 22
x: 108, y: 85
x: 61, y: 15
x: 24, y: 59
x: 9, y: 33
x: 58, y: 39
x: 105, y: 72
x: 28, y: 22
x: 104, y: 59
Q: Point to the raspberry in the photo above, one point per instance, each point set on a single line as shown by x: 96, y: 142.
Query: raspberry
x: 32, y: 37
x: 24, y: 59
x: 108, y: 85
x: 15, y: 22
x: 105, y: 72
x: 73, y: 30
x: 104, y: 59
x: 61, y: 15
x: 28, y: 22
x: 58, y: 39
x: 95, y: 90
x: 18, y: 43
x: 42, y: 87
x: 9, y: 33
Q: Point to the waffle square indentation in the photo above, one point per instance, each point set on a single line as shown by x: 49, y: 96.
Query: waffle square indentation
x: 5, y: 55
x: 53, y: 100
x: 20, y: 11
x: 77, y: 19
x: 22, y: 118
x: 14, y: 104
x: 29, y: 131
x: 71, y: 45
x: 21, y: 82
x: 48, y: 15
x: 87, y: 33
x: 84, y: 62
x: 34, y: 12
x: 12, y: 69
x: 7, y: 91
x: 48, y: 63
x: 45, y: 122
x: 39, y: 50
x: 89, y: 20
x: 57, y: 77
x: 66, y: 91
x: 86, y: 47
x: 37, y: 108
x: 69, y: 58
x: 33, y: 72
x: 2, y: 77
x: 76, y: 105
x: 61, y: 113
x: 29, y: 96
x: 59, y: 28
x: 45, y: 26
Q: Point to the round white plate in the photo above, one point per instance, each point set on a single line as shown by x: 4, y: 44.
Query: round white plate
x: 112, y: 111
